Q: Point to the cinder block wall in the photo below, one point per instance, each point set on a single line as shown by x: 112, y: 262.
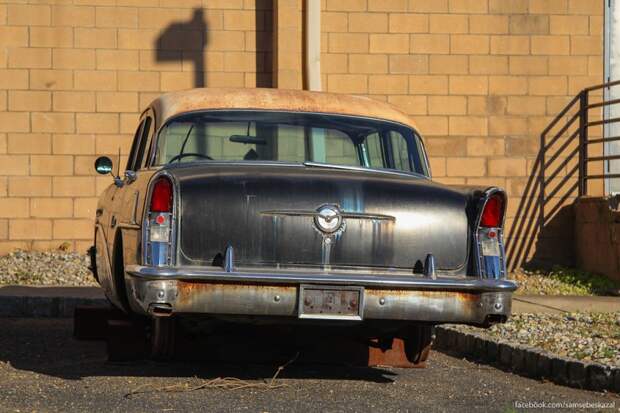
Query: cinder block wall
x: 74, y: 77
x: 481, y: 77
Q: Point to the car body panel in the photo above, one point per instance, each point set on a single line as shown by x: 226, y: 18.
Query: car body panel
x: 246, y: 238
x: 258, y: 210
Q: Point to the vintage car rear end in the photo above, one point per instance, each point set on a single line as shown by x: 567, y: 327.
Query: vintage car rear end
x: 294, y: 207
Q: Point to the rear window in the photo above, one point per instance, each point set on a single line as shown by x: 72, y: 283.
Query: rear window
x: 290, y: 137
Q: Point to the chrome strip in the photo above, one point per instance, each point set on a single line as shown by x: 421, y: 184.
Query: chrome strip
x: 134, y: 213
x: 413, y: 282
x: 128, y: 225
x: 310, y: 213
x: 363, y: 168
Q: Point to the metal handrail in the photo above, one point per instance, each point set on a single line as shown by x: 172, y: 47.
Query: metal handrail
x: 562, y: 156
x: 581, y: 103
x: 602, y: 86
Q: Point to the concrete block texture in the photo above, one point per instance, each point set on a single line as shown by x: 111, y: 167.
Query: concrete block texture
x: 482, y: 78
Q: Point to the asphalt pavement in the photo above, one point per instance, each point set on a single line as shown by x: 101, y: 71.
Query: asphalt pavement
x: 42, y: 368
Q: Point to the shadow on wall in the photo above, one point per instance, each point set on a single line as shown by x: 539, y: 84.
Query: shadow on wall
x: 542, y: 233
x: 264, y: 43
x: 186, y: 41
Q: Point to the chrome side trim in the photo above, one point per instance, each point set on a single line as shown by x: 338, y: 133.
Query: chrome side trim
x: 363, y: 168
x: 371, y: 280
x: 134, y: 211
x: 311, y: 213
x: 128, y: 225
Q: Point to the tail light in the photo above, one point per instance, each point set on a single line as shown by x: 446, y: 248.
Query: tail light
x: 493, y: 212
x: 489, y: 235
x: 161, y: 196
x: 159, y: 228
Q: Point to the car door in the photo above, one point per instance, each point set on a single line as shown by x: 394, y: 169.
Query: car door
x: 134, y: 188
x: 117, y: 207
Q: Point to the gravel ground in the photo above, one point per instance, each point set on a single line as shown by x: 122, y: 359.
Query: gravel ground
x: 591, y: 337
x: 563, y: 281
x: 46, y: 268
x: 43, y: 369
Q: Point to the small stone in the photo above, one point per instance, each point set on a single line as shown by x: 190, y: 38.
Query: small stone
x: 46, y: 268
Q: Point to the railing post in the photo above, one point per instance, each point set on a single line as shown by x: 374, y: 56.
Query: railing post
x: 541, y: 180
x: 583, y: 142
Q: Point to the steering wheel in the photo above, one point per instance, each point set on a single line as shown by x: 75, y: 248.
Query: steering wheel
x: 183, y: 155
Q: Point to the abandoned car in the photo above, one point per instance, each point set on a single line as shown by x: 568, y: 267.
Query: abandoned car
x: 295, y: 207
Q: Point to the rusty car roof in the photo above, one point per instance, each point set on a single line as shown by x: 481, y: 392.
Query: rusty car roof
x: 174, y: 103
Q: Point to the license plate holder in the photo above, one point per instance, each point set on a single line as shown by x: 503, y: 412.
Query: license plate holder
x: 330, y: 302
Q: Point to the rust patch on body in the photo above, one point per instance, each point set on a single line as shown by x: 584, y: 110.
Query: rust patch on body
x: 187, y: 291
x: 185, y: 287
x: 236, y: 298
x: 459, y: 295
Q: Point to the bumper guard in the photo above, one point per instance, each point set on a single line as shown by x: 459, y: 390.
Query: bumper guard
x: 386, y: 297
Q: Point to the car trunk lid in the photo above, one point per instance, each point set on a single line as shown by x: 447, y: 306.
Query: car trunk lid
x: 267, y: 213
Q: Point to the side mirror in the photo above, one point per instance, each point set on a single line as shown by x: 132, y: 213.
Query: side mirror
x: 103, y: 165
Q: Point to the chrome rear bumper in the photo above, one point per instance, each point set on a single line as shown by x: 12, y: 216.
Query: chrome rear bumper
x: 386, y: 297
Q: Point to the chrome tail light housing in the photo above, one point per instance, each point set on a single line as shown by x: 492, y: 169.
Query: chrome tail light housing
x: 490, y: 256
x: 160, y: 223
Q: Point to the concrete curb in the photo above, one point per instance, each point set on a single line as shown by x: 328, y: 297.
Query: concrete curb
x: 58, y: 302
x: 529, y: 362
x: 41, y: 307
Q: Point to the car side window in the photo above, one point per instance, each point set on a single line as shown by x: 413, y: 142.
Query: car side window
x: 343, y: 150
x: 400, y: 151
x: 374, y: 151
x: 144, y: 140
x: 150, y: 144
x: 131, y: 161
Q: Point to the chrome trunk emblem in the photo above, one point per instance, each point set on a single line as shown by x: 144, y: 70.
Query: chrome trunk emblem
x: 328, y: 219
